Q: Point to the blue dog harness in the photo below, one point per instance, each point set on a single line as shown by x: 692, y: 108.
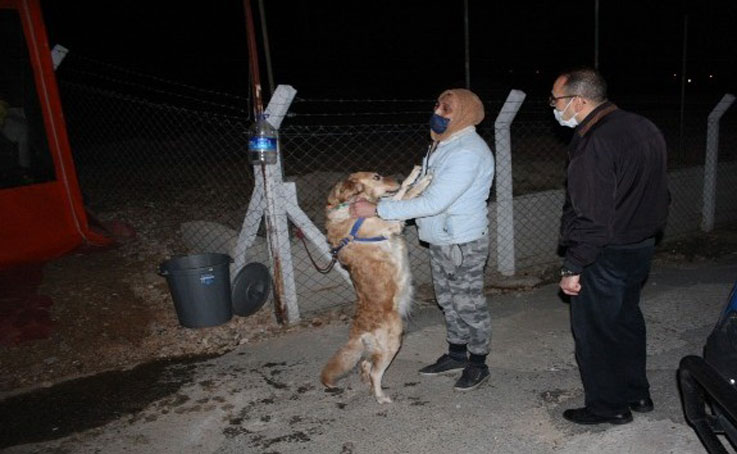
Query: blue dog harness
x: 352, y: 237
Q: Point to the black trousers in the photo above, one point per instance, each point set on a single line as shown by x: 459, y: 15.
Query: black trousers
x: 609, y: 328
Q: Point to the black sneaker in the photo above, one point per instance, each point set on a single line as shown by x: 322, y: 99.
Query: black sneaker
x: 473, y: 376
x: 445, y: 363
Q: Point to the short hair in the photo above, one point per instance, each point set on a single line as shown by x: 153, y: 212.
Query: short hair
x: 585, y: 82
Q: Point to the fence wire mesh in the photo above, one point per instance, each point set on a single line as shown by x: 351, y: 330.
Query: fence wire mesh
x: 171, y: 160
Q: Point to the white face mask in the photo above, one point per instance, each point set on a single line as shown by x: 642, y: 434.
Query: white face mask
x: 571, y: 122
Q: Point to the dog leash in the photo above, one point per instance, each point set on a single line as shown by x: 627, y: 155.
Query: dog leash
x: 322, y: 270
x: 299, y: 234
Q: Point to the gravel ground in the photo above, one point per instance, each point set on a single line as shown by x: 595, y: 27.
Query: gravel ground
x: 113, y: 311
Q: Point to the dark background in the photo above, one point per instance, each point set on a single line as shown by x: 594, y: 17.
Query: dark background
x: 407, y: 49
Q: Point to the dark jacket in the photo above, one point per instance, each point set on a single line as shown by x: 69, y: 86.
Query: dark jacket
x: 617, y: 184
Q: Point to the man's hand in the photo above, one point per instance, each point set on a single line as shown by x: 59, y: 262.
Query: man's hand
x: 571, y: 285
x: 362, y: 209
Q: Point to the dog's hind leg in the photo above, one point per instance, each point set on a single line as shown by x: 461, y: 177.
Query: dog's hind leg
x: 366, y: 371
x: 370, y: 345
x: 342, y: 361
x: 380, y: 360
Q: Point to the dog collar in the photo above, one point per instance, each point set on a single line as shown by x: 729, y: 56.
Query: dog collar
x: 352, y: 236
x: 342, y: 205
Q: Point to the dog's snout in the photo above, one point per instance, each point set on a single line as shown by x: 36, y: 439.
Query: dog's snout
x: 391, y: 182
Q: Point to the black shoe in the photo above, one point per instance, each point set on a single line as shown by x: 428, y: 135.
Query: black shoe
x: 584, y: 416
x: 473, y: 376
x: 642, y: 406
x: 445, y: 363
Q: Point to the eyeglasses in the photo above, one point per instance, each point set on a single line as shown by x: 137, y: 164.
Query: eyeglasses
x: 554, y: 99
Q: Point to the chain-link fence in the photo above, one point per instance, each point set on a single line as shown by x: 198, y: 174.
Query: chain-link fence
x: 171, y: 160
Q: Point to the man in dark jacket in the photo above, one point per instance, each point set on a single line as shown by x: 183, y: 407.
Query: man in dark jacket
x: 616, y: 203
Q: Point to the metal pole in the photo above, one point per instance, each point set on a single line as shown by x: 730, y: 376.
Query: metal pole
x: 596, y: 34
x: 277, y: 235
x: 683, y: 84
x: 267, y: 51
x: 467, y: 39
x: 253, y: 58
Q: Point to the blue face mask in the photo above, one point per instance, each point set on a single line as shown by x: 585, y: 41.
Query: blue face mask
x: 438, y: 124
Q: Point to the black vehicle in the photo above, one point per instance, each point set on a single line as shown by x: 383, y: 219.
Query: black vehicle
x: 709, y: 384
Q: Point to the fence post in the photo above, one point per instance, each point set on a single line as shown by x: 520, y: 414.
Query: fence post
x: 57, y: 55
x: 267, y: 200
x: 711, y: 160
x: 275, y: 216
x: 282, y: 98
x: 504, y: 196
x: 276, y: 201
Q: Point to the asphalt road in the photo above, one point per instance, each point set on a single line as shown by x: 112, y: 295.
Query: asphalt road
x: 267, y: 398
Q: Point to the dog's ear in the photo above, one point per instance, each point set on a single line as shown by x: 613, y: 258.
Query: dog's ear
x: 350, y: 189
x: 344, y: 191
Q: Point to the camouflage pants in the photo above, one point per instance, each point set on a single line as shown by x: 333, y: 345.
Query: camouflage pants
x: 458, y: 279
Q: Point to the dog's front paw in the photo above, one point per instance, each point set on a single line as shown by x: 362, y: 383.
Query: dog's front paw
x: 412, y: 176
x: 424, y: 181
x: 420, y: 186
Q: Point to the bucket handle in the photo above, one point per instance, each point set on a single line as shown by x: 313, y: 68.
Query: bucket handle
x: 164, y: 273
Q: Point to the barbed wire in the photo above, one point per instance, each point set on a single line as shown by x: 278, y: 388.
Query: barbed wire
x: 147, y: 102
x: 148, y: 88
x: 362, y: 100
x: 157, y: 78
x: 359, y: 114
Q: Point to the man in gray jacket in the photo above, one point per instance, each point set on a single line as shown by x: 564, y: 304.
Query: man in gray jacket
x: 451, y: 216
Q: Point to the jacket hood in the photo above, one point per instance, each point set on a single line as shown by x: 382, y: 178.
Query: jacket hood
x: 466, y: 110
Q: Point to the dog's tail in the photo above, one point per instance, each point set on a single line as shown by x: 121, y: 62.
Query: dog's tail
x: 342, y: 361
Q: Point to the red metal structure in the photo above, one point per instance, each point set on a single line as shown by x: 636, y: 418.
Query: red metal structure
x: 42, y: 213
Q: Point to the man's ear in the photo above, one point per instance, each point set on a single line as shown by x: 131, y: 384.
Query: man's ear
x: 581, y: 103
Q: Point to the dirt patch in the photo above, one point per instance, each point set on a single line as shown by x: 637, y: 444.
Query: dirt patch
x: 112, y: 311
x: 721, y: 244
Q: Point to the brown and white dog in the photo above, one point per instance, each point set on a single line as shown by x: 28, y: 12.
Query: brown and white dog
x: 376, y: 259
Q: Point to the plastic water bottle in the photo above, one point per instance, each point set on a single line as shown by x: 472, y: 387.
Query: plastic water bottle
x: 262, y: 139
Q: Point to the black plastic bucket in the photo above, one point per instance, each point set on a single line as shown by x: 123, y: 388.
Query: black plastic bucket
x: 200, y: 288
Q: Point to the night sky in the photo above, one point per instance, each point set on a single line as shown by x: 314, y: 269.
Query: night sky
x: 409, y: 49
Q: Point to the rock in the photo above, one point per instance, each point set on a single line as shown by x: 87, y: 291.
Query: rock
x: 208, y: 236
